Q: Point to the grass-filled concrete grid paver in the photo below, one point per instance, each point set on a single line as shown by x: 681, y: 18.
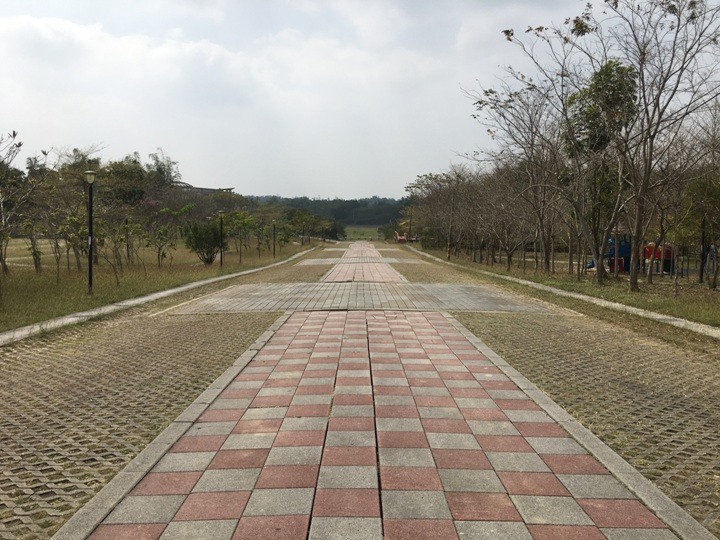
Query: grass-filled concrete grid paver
x: 404, y: 441
x: 77, y: 405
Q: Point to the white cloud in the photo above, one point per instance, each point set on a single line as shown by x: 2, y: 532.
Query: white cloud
x: 317, y: 97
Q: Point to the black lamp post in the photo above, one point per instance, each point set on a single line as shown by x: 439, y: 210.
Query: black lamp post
x: 222, y: 243
x: 90, y: 179
x: 273, y: 238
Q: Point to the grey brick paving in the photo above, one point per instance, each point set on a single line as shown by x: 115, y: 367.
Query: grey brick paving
x: 358, y: 296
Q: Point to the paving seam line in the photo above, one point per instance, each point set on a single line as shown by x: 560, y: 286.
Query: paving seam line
x: 90, y: 515
x: 698, y: 328
x: 682, y: 523
x: 17, y: 334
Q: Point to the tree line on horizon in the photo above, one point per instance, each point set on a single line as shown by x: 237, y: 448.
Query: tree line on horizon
x: 139, y: 207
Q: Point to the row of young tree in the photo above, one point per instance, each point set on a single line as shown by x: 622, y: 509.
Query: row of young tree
x: 617, y: 130
x: 139, y: 208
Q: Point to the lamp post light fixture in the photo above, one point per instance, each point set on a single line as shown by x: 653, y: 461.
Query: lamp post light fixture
x: 222, y: 243
x: 273, y: 238
x: 90, y: 179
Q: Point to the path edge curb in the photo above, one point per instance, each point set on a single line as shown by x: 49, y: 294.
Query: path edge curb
x: 93, y: 512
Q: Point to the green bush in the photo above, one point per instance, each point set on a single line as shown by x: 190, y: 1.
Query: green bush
x: 203, y: 238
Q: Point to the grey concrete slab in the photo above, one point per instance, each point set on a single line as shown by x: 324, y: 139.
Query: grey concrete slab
x: 492, y: 530
x: 550, y: 510
x: 405, y: 457
x: 294, y: 455
x: 345, y: 528
x: 280, y: 502
x: 594, y: 486
x: 348, y: 477
x: 415, y: 505
x: 227, y: 480
x: 217, y: 529
x: 480, y: 481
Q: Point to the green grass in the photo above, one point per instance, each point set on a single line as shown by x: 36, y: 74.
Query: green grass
x: 361, y: 232
x: 29, y: 297
x: 694, y: 301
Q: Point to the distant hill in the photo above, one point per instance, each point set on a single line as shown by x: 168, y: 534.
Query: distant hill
x: 373, y: 211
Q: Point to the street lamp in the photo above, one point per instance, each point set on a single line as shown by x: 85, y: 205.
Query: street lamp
x: 273, y: 238
x: 90, y: 179
x: 221, y: 212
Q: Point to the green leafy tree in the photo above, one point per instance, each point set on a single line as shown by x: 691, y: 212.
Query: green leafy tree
x: 203, y: 238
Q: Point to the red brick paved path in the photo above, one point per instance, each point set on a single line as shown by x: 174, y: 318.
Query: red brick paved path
x: 371, y: 424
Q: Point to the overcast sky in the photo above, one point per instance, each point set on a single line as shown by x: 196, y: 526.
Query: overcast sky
x: 323, y: 98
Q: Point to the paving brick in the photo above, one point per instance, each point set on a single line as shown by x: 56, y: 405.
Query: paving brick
x: 489, y: 427
x: 410, y: 478
x: 454, y: 441
x: 213, y: 505
x: 350, y: 438
x: 239, y: 459
x: 594, y: 486
x: 184, y: 461
x: 280, y: 502
x: 288, y: 476
x: 398, y: 424
x: 481, y: 481
x: 466, y: 506
x: 620, y: 513
x: 532, y: 483
x: 128, y: 532
x: 355, y: 477
x: 347, y: 528
x: 402, y: 439
x: 246, y: 441
x: 169, y: 483
x: 349, y: 455
x: 207, y: 443
x: 299, y: 438
x: 516, y: 461
x: 294, y: 455
x: 347, y: 503
x: 492, y: 530
x: 257, y: 426
x: 573, y: 464
x: 304, y: 424
x: 187, y: 530
x: 503, y: 443
x: 275, y: 527
x: 227, y: 480
x: 414, y: 505
x: 555, y: 445
x: 351, y: 424
x: 460, y: 459
x: 405, y: 457
x: 565, y: 532
x: 419, y: 529
x: 550, y: 510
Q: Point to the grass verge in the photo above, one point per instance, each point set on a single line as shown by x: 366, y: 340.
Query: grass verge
x: 28, y: 297
x: 693, y: 301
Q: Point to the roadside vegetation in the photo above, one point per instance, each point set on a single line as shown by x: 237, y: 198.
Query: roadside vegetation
x: 686, y: 298
x: 30, y: 297
x: 606, y: 150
